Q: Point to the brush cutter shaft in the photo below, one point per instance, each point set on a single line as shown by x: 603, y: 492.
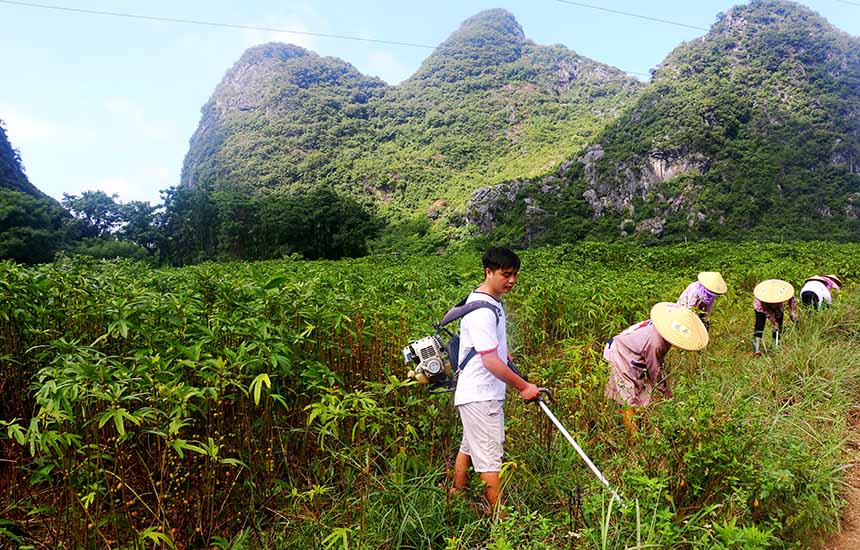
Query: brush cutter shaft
x: 580, y: 451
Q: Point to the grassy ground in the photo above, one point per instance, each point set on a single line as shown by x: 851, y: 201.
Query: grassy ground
x: 746, y: 454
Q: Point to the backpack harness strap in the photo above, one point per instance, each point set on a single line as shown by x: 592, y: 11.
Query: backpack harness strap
x: 458, y: 312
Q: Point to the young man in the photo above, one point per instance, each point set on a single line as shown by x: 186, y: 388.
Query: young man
x: 481, y: 385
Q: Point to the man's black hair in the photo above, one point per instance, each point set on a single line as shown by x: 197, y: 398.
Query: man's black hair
x: 499, y: 257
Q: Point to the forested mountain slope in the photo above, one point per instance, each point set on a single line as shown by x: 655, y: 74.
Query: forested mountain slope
x: 752, y: 130
x: 11, y: 172
x: 486, y: 106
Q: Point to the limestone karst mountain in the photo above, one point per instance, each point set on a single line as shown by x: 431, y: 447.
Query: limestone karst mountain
x: 752, y: 129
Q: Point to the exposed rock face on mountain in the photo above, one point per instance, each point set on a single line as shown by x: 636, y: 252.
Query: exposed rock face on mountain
x: 752, y: 129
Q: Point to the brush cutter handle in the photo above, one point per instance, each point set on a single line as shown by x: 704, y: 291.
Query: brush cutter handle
x: 517, y: 371
x: 546, y: 391
x: 540, y: 397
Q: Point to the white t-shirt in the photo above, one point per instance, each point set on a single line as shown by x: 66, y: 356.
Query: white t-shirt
x: 818, y: 288
x: 479, y: 330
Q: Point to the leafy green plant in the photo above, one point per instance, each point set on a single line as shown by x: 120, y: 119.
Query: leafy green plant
x: 265, y: 404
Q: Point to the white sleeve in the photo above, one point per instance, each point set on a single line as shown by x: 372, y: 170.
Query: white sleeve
x: 480, y: 325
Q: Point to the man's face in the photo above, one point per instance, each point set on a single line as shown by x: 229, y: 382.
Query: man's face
x: 501, y: 280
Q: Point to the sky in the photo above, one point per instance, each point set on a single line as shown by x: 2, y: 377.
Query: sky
x: 100, y: 102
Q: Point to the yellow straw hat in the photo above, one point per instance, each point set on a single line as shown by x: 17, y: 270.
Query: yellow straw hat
x: 679, y: 326
x: 773, y: 291
x: 713, y: 281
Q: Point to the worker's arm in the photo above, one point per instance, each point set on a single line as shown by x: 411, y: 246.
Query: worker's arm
x: 792, y: 308
x: 654, y: 365
x: 500, y: 369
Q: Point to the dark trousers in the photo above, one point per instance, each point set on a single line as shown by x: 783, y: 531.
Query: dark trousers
x: 760, y: 320
x: 810, y: 299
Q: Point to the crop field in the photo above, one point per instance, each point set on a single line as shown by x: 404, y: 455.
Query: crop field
x: 265, y: 405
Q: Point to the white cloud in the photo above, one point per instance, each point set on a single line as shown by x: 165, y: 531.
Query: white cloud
x: 135, y: 115
x: 143, y: 186
x: 387, y: 66
x: 24, y: 129
x: 300, y: 17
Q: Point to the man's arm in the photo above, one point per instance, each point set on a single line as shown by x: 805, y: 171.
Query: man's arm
x: 494, y: 364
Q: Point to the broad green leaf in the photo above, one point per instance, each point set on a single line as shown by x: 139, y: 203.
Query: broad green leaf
x: 276, y: 282
x: 157, y: 537
x: 257, y: 384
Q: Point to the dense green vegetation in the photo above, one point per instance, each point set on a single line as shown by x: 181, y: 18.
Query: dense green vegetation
x: 194, y: 224
x: 751, y: 130
x: 12, y: 174
x: 487, y: 106
x: 249, y: 405
x: 33, y: 227
x: 759, y: 117
x: 318, y: 223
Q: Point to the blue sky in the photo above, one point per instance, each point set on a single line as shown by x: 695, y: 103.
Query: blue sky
x: 99, y: 102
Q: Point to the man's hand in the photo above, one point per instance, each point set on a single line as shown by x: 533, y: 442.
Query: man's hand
x: 530, y: 392
x: 493, y: 363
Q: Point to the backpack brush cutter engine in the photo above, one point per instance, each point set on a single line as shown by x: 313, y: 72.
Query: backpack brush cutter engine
x: 435, y: 362
x: 430, y: 361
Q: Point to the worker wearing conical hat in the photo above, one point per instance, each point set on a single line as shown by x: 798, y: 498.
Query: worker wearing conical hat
x: 771, y: 297
x: 834, y: 280
x: 702, y: 293
x: 818, y: 290
x: 636, y: 355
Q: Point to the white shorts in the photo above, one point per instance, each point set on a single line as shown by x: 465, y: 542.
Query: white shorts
x: 483, y: 434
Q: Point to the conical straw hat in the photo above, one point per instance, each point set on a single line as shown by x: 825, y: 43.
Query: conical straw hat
x: 713, y: 281
x: 679, y: 326
x: 835, y: 279
x: 773, y: 291
x: 817, y: 278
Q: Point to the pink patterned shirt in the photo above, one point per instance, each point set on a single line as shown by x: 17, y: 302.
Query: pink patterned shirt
x: 773, y: 311
x: 638, y: 348
x: 697, y: 296
x: 828, y: 282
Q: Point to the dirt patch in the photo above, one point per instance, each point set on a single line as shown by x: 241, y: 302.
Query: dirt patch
x: 849, y: 537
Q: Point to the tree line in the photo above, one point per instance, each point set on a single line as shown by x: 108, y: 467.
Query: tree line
x: 192, y: 225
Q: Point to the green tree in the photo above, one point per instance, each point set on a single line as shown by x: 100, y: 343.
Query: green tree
x: 317, y: 224
x: 32, y: 229
x: 99, y: 213
x: 187, y: 226
x: 138, y: 220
